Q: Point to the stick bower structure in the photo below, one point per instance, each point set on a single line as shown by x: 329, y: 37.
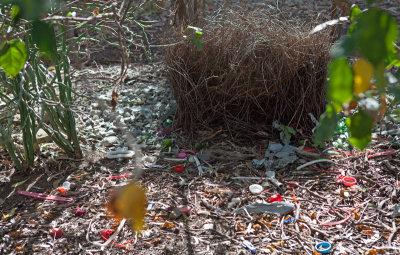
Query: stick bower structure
x: 253, y: 69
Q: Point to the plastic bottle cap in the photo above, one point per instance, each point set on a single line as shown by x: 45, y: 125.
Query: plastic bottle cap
x: 255, y: 189
x: 349, y: 181
x: 323, y: 247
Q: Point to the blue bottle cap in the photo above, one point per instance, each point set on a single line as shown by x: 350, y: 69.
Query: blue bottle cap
x: 323, y: 247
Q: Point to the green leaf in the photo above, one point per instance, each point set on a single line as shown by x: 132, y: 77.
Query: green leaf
x: 197, y: 41
x: 45, y: 38
x: 340, y: 86
x: 374, y: 34
x: 354, y: 12
x: 15, y: 13
x: 360, y: 126
x: 326, y: 126
x: 13, y: 56
x: 392, y: 59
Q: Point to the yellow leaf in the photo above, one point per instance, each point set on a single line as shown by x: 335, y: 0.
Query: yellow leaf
x: 130, y: 203
x: 363, y: 73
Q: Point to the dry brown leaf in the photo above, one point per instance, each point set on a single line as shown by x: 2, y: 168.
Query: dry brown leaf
x: 167, y: 224
x: 114, y: 99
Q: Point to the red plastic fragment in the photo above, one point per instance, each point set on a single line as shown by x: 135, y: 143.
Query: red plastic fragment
x: 79, y: 212
x: 57, y: 233
x: 62, y: 190
x: 106, y: 233
x: 275, y: 198
x: 185, y: 209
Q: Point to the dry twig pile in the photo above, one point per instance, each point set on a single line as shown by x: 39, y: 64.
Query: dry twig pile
x: 253, y: 69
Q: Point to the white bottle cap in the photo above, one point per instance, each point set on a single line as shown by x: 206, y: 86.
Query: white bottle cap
x: 255, y: 189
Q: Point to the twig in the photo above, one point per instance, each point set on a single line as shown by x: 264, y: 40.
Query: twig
x: 394, y: 230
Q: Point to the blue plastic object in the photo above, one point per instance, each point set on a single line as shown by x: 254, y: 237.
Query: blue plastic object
x: 150, y: 206
x: 323, y: 247
x: 293, y: 219
x: 249, y: 246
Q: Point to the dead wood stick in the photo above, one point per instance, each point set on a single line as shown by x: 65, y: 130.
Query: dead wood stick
x: 394, y: 230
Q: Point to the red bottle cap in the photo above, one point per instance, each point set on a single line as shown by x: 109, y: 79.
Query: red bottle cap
x: 178, y: 168
x: 349, y: 181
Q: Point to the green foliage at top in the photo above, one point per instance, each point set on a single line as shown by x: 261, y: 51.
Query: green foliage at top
x: 13, y: 55
x: 371, y: 40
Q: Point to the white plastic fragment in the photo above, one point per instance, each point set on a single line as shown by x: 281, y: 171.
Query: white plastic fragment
x: 313, y: 162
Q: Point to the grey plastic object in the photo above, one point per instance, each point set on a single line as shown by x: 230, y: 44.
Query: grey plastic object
x: 120, y: 154
x: 281, y: 208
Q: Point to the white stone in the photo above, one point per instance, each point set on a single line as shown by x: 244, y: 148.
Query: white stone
x: 109, y: 141
x: 42, y: 137
x: 208, y: 226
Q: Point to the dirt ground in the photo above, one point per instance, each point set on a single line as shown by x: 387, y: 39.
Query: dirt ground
x: 193, y: 213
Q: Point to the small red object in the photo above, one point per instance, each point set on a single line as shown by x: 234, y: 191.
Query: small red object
x: 349, y: 181
x: 57, y: 233
x: 275, y: 198
x: 346, y: 180
x: 182, y: 155
x: 106, y: 233
x: 185, y: 209
x: 178, y: 168
x: 62, y: 190
x: 79, y: 212
x: 293, y: 184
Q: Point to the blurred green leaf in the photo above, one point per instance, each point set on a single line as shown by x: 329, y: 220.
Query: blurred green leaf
x: 326, y: 126
x: 354, y: 12
x: 374, y: 34
x: 15, y: 13
x: 395, y: 90
x: 199, y: 44
x: 28, y: 9
x: 13, y: 56
x: 360, y: 126
x: 344, y: 48
x: 43, y: 35
x: 340, y: 86
x: 166, y: 143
